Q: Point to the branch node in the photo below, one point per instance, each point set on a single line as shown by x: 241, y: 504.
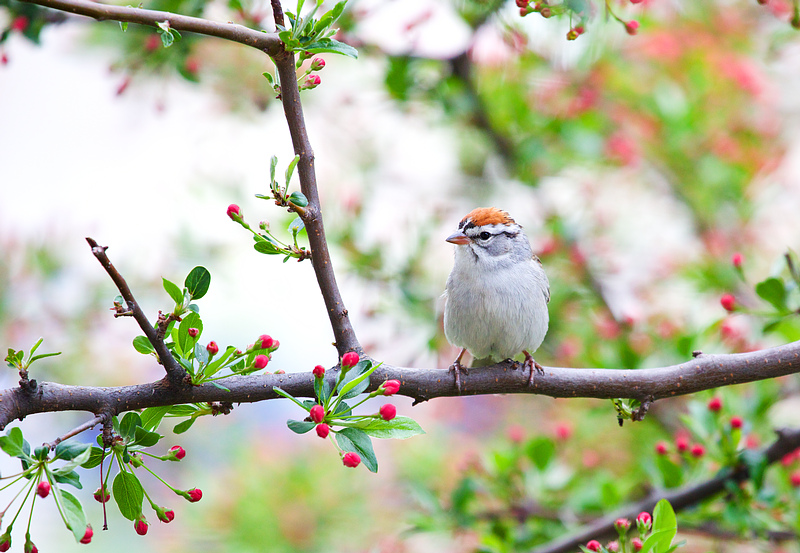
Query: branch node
x: 697, y: 353
x: 638, y: 414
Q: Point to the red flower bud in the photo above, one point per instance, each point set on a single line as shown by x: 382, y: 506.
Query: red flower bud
x: 319, y: 371
x: 523, y: 12
x: 388, y: 411
x: 20, y: 23
x: 661, y: 448
x: 30, y: 547
x: 728, y: 301
x: 276, y: 344
x: 323, y: 430
x: 636, y: 1
x: 698, y: 450
x: 682, y: 444
x: 195, y: 495
x: 593, y: 545
x: 212, y: 348
x: 312, y: 81
x: 715, y: 404
x: 522, y: 3
x: 563, y: 431
x: 5, y: 542
x: 637, y: 544
x: 645, y: 518
x: 166, y: 516
x: 192, y: 65
x: 351, y: 459
x: 87, y: 536
x: 141, y: 526
x: 737, y: 259
x: 317, y: 64
x: 612, y: 546
x: 265, y: 341
x: 632, y: 27
x: 349, y: 359
x: 100, y: 497
x: 736, y: 422
x: 178, y: 452
x: 43, y: 489
x: 317, y: 413
x: 234, y: 212
x: 261, y: 361
x: 193, y: 332
x: 391, y: 387
x: 152, y: 42
x: 622, y: 524
x: 795, y: 479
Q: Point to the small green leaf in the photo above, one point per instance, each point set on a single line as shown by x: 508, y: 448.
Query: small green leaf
x: 298, y: 198
x: 172, y: 289
x: 773, y: 291
x: 671, y: 473
x: 95, y: 458
x: 151, y: 417
x: 68, y: 477
x: 128, y: 493
x: 186, y: 342
x: 201, y: 354
x: 69, y: 450
x: 399, y: 428
x: 289, y: 396
x: 290, y: 169
x: 123, y: 25
x: 42, y: 356
x: 167, y: 39
x: 184, y: 426
x: 356, y: 384
x: 273, y: 163
x: 270, y: 80
x: 13, y: 443
x: 296, y: 226
x: 332, y: 46
x: 266, y: 247
x: 128, y: 425
x: 541, y: 451
x: 198, y: 282
x: 300, y: 427
x: 73, y: 514
x: 352, y: 439
x: 146, y: 438
x: 142, y: 345
x: 220, y: 386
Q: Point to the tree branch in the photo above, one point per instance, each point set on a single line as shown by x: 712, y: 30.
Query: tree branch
x: 682, y: 498
x: 77, y: 430
x: 703, y: 373
x: 266, y: 42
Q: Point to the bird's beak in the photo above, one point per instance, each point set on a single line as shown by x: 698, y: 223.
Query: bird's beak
x: 458, y: 238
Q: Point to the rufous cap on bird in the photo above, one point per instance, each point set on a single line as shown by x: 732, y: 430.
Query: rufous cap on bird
x: 478, y: 218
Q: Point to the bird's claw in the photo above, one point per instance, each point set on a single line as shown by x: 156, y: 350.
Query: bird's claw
x: 457, y: 369
x: 534, y: 368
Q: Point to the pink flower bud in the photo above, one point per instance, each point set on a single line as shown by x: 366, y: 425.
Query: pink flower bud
x: 645, y: 518
x: 317, y: 64
x: 698, y: 450
x: 317, y: 413
x: 388, y: 411
x: 351, y: 460
x: 193, y: 332
x: 563, y: 431
x: 736, y: 422
x: 637, y: 544
x: 141, y: 526
x: 43, y: 489
x: 178, y: 452
x: 391, y: 387
x: 622, y: 524
x: 265, y: 341
x: 349, y: 359
x: 100, y: 497
x: 312, y: 81
x: 87, y: 536
x: 728, y: 301
x: 319, y: 371
x: 234, y: 212
x: 195, y: 495
x: 323, y: 430
x: 593, y: 545
x: 20, y: 23
x: 212, y: 348
x: 165, y: 516
x: 715, y: 404
x: 794, y: 479
x: 612, y: 546
x: 737, y: 259
x: 632, y: 27
x: 681, y: 444
x: 661, y: 448
x: 260, y: 361
x: 636, y: 1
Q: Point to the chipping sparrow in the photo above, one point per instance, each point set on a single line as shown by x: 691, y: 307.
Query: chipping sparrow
x: 497, y: 293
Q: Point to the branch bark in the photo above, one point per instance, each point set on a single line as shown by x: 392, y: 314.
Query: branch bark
x: 703, y: 373
x: 268, y: 43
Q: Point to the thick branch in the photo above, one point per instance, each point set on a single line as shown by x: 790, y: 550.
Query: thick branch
x: 266, y: 42
x: 788, y: 440
x: 343, y: 332
x: 702, y: 373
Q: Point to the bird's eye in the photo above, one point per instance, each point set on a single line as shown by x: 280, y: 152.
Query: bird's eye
x: 485, y: 235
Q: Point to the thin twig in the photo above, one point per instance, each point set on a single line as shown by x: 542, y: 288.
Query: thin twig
x: 77, y: 430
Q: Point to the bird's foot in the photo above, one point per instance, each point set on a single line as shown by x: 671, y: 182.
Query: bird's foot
x: 533, y: 366
x: 457, y: 369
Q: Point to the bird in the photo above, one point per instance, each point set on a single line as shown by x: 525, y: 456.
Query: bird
x: 497, y: 294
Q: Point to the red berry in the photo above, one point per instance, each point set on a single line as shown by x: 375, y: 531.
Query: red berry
x: 388, y: 411
x: 43, y: 489
x: 179, y: 452
x: 87, y: 536
x: 266, y: 341
x: 698, y: 450
x: 317, y: 413
x: 737, y: 259
x: 141, y: 526
x: 351, y: 460
x: 795, y: 479
x: 193, y: 332
x: 99, y: 497
x: 728, y: 302
x: 261, y: 361
x: 736, y: 422
x: 637, y: 544
x: 391, y: 387
x: 323, y: 430
x: 350, y: 359
x: 195, y: 495
x: 212, y: 348
x: 662, y: 448
x: 20, y: 23
x: 234, y: 212
x: 632, y: 27
x: 645, y: 518
x: 593, y: 545
x: 319, y: 371
x: 715, y: 404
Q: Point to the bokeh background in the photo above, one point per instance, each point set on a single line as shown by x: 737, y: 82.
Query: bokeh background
x: 638, y: 165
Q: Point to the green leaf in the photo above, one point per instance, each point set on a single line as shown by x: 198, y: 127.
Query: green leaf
x: 146, y: 438
x: 266, y: 247
x: 201, y: 354
x: 352, y: 439
x: 322, y: 390
x: 541, y: 451
x: 271, y: 81
x: 128, y: 493
x: 399, y: 428
x: 300, y: 427
x: 297, y: 225
x: 198, y: 282
x: 664, y: 521
x: 69, y: 450
x: 298, y: 198
x: 95, y: 458
x: 671, y: 473
x: 123, y: 25
x: 182, y: 410
x: 290, y: 170
x: 142, y: 345
x: 219, y: 362
x: 773, y: 291
x: 332, y: 46
x: 166, y: 38
x: 128, y: 425
x: 68, y: 477
x: 355, y: 384
x: 42, y: 356
x: 151, y: 417
x: 186, y: 342
x: 757, y: 464
x: 73, y: 513
x: 220, y: 386
x: 172, y: 289
x: 655, y: 541
x: 184, y: 426
x: 273, y: 162
x: 289, y: 396
x: 13, y: 443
